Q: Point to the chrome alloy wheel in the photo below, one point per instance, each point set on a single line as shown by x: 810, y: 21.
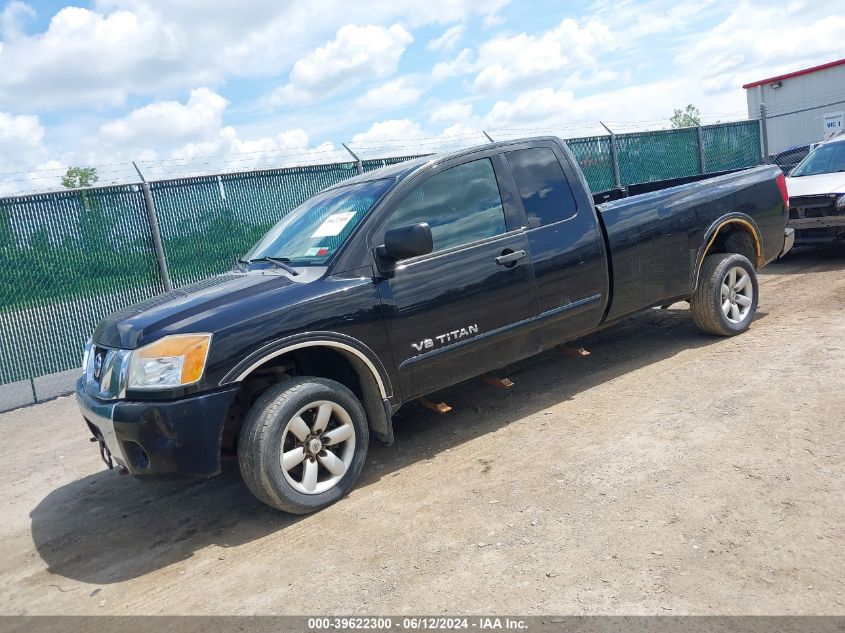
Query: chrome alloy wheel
x: 737, y: 294
x: 318, y: 444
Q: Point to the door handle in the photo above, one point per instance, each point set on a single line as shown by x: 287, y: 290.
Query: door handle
x: 509, y: 258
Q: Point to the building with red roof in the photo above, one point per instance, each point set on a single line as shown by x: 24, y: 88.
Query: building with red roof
x: 802, y: 107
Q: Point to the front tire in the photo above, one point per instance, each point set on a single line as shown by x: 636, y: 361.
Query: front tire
x: 303, y: 444
x: 725, y: 301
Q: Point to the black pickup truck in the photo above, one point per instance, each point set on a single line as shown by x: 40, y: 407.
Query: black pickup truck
x: 397, y: 283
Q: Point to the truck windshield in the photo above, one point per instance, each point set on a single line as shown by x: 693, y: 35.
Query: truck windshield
x: 825, y: 159
x: 314, y: 231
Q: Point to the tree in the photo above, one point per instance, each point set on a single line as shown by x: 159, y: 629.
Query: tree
x: 78, y: 177
x: 94, y: 226
x: 688, y: 117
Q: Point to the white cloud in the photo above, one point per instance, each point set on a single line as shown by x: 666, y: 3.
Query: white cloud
x: 356, y: 53
x: 593, y: 77
x: 455, y: 112
x: 637, y: 21
x: 544, y: 105
x: 756, y: 41
x: 22, y: 148
x: 448, y: 40
x: 397, y: 137
x: 12, y: 20
x: 508, y: 62
x: 646, y: 56
x: 462, y: 64
x: 233, y: 150
x: 492, y: 19
x: 169, y: 122
x: 393, y: 94
x: 21, y: 140
x: 642, y: 106
x: 86, y: 57
x: 168, y: 139
x: 390, y: 130
x: 505, y: 62
x: 121, y: 48
x: 193, y: 132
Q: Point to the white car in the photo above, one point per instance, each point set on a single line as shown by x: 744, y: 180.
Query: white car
x: 817, y: 194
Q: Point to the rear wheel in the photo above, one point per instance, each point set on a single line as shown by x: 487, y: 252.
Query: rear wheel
x: 725, y: 300
x: 303, y: 444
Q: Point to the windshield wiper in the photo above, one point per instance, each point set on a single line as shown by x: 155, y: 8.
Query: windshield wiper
x: 281, y: 262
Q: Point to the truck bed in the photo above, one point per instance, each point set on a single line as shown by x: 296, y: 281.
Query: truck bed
x: 664, y: 230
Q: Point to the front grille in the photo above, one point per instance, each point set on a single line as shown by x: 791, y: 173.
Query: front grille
x: 813, y: 207
x: 105, y: 373
x: 98, y: 363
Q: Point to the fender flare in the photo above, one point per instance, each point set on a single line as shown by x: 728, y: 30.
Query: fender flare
x: 333, y: 340
x: 712, y: 233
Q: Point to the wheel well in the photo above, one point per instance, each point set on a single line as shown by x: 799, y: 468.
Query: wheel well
x: 735, y: 236
x: 322, y: 362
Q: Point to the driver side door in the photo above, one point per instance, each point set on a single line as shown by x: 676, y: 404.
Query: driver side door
x: 464, y: 308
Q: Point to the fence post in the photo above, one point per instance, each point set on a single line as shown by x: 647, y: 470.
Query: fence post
x: 764, y: 133
x: 701, y: 162
x: 359, y: 167
x: 614, y: 157
x: 152, y: 218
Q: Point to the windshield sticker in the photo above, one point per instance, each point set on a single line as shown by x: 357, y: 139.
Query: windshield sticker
x: 333, y: 224
x: 318, y: 251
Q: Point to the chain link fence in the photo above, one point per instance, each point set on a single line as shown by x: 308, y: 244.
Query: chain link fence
x: 790, y: 133
x: 70, y: 257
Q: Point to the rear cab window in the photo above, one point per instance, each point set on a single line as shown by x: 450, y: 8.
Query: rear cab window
x: 545, y: 191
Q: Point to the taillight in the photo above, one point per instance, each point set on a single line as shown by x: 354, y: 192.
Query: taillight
x: 783, y: 191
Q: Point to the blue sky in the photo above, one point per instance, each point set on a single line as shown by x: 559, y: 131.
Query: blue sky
x: 198, y: 85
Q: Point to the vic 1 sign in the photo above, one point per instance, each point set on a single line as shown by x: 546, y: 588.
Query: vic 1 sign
x: 832, y: 122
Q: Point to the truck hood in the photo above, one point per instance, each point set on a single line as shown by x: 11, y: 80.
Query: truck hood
x: 819, y: 185
x: 201, y: 307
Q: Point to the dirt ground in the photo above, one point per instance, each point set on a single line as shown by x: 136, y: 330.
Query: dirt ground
x: 669, y: 472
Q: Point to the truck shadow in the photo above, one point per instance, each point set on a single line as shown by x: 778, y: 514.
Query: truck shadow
x: 804, y: 259
x: 105, y: 528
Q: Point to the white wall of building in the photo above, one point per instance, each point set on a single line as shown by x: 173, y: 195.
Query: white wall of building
x: 796, y: 109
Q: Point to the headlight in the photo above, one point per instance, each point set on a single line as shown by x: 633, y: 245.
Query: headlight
x: 840, y: 202
x: 173, y: 361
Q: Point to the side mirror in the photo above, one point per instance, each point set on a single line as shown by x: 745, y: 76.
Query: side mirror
x: 406, y: 242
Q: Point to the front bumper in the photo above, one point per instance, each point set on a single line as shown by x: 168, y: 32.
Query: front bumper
x: 820, y: 231
x: 816, y: 219
x: 159, y: 437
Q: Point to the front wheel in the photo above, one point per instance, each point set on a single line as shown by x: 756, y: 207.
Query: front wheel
x: 303, y: 444
x: 725, y: 300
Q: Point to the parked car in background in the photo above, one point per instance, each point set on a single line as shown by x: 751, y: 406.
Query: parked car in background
x: 817, y: 194
x: 789, y: 158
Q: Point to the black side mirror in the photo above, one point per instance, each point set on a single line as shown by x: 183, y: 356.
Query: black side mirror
x: 406, y: 242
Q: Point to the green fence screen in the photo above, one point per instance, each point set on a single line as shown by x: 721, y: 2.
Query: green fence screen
x: 594, y: 157
x: 69, y: 258
x: 66, y: 260
x: 731, y: 145
x: 207, y: 222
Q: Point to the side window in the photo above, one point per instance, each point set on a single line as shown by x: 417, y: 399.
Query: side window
x: 543, y: 187
x: 461, y: 205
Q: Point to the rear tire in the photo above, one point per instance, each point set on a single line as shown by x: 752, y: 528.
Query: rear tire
x: 303, y: 444
x: 725, y: 301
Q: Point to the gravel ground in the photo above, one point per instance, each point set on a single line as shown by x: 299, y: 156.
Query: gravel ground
x: 669, y: 472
